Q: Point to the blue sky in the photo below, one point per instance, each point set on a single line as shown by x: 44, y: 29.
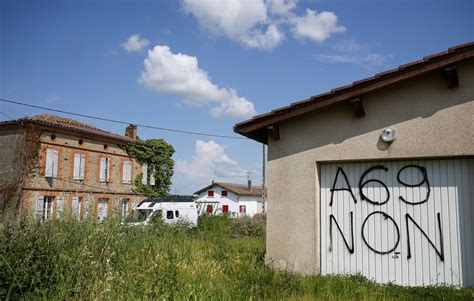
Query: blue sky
x: 205, y: 65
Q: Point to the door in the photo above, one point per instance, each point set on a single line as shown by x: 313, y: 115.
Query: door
x: 102, y: 206
x: 407, y: 222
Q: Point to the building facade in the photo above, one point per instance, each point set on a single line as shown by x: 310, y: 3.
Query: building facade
x: 53, y: 166
x: 237, y: 200
x: 348, y: 196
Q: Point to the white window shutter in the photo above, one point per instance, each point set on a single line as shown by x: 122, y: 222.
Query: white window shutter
x: 40, y: 207
x: 144, y: 173
x: 77, y: 166
x: 82, y: 167
x: 127, y: 172
x: 55, y: 163
x: 87, y: 207
x: 75, y: 206
x: 107, y: 169
x: 59, y: 206
x: 124, y: 172
x: 48, y: 171
x: 152, y: 177
x: 103, y: 166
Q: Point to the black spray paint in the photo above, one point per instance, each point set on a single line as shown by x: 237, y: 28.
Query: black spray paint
x: 387, y: 217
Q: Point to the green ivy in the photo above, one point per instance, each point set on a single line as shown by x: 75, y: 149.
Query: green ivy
x: 157, y: 153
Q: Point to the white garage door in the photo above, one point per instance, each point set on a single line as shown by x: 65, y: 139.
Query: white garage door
x: 406, y: 222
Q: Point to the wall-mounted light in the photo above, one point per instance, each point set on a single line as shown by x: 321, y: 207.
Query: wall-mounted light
x: 388, y: 135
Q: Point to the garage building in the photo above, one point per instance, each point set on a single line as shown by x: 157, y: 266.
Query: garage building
x: 376, y: 177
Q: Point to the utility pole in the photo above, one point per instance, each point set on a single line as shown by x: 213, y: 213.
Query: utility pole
x: 263, y: 180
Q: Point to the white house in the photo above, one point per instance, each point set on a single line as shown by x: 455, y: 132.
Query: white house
x: 228, y: 198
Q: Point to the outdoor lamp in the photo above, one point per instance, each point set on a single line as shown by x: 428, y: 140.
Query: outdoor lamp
x: 388, y: 135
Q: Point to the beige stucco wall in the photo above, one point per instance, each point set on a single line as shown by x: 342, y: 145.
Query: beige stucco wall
x: 430, y: 119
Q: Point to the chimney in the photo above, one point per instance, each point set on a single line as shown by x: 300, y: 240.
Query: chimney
x: 249, y: 185
x: 131, y: 131
x: 213, y: 181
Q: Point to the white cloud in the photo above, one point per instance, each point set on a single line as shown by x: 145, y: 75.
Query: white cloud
x: 209, y: 162
x: 281, y: 7
x: 367, y: 60
x: 316, y: 27
x: 259, y: 23
x: 135, y: 44
x: 352, y: 52
x: 179, y: 74
x: 243, y: 21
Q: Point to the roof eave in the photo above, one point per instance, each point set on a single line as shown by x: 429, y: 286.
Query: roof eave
x: 256, y: 128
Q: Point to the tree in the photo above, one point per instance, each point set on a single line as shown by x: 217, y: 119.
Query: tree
x: 157, y: 153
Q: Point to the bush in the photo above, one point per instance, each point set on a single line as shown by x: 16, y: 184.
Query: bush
x: 85, y: 260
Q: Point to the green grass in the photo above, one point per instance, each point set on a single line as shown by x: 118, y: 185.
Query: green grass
x: 221, y: 259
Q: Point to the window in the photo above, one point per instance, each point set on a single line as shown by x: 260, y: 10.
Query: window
x: 104, y: 169
x: 44, y: 207
x: 210, y: 193
x: 59, y: 206
x: 225, y: 209
x: 152, y: 177
x: 127, y: 172
x: 176, y: 213
x: 242, y: 209
x: 102, y: 208
x: 124, y: 207
x: 169, y: 214
x: 144, y: 173
x: 209, y: 209
x: 76, y: 206
x: 224, y: 193
x: 51, y: 166
x: 79, y: 166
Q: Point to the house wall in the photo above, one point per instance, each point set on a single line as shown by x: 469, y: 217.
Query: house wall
x: 253, y: 204
x: 11, y: 143
x: 65, y: 186
x: 430, y: 119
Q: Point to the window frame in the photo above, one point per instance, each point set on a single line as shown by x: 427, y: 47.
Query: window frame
x: 224, y: 193
x: 127, y: 171
x: 81, y: 168
x: 107, y: 169
x: 225, y: 208
x: 51, y: 163
x: 210, y: 193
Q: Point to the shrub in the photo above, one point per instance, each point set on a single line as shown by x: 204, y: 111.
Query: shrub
x: 85, y: 260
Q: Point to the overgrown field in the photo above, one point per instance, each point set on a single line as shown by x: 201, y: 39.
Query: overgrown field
x: 221, y: 259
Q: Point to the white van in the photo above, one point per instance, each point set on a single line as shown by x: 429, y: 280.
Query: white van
x: 170, y: 210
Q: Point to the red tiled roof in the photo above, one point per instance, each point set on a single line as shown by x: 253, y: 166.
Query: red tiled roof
x: 67, y: 123
x: 240, y: 189
x: 256, y: 128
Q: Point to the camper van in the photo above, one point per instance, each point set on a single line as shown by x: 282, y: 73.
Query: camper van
x: 170, y: 211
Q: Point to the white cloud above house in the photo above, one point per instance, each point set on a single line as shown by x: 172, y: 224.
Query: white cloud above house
x: 316, y: 27
x: 209, y: 162
x: 179, y: 75
x: 351, y: 52
x: 259, y: 23
x: 135, y: 44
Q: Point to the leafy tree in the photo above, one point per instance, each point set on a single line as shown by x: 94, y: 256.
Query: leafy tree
x: 157, y: 153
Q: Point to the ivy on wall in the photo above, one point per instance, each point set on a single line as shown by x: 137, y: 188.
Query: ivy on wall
x: 157, y: 153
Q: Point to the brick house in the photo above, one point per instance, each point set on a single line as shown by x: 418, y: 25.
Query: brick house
x: 50, y: 165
